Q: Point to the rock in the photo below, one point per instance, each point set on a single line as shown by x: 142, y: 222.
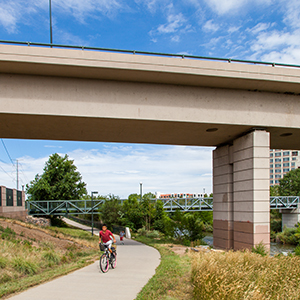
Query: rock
x: 41, y: 222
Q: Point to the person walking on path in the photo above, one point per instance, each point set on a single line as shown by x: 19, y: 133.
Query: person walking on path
x: 122, y: 234
x: 107, y: 238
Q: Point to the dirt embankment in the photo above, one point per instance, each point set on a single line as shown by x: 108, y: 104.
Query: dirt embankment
x: 36, y: 236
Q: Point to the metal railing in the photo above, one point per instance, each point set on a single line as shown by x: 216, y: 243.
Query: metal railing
x: 78, y: 207
x: 178, y: 55
x: 62, y: 207
x: 290, y: 202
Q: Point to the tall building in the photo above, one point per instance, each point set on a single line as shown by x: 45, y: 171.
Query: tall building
x: 281, y: 162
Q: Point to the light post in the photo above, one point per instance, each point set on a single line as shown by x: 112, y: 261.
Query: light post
x: 92, y: 194
x: 50, y: 13
x: 141, y: 190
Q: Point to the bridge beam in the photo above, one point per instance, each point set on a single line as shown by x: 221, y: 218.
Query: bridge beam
x: 241, y: 192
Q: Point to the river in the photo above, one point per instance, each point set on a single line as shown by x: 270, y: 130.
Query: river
x: 275, y: 248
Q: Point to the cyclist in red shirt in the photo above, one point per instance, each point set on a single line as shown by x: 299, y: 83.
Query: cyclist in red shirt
x: 106, y: 237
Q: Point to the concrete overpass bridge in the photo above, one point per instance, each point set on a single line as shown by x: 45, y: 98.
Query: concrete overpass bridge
x: 240, y: 107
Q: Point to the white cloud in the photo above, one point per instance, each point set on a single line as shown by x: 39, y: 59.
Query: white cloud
x: 154, y: 5
x: 233, y: 29
x: 291, y: 9
x: 222, y: 7
x: 174, y: 22
x: 259, y: 27
x: 119, y: 170
x: 175, y: 38
x: 210, y: 26
x: 18, y: 11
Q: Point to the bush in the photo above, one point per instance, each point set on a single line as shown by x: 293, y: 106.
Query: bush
x: 3, y: 262
x: 5, y: 278
x: 260, y: 249
x: 297, y: 251
x: 276, y: 225
x: 23, y: 266
x: 8, y: 234
x: 288, y: 236
x: 51, y: 257
x: 152, y: 234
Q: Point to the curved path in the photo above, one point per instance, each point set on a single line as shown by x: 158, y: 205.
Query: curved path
x: 136, y: 265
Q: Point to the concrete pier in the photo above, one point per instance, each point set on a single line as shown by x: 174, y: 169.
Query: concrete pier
x: 241, y: 192
x: 290, y: 217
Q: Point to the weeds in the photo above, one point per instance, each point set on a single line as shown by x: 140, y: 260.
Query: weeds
x: 24, y: 266
x: 245, y: 275
x: 260, y: 249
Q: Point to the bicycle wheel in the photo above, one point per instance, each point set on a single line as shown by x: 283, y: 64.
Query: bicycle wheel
x: 113, y: 262
x: 104, y: 263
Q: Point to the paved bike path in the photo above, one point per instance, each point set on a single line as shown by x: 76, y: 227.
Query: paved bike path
x: 135, y: 266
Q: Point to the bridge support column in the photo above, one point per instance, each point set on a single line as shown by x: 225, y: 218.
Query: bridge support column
x: 290, y: 217
x: 241, y: 192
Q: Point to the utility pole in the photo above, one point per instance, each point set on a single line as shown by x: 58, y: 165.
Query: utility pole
x: 17, y: 175
x: 50, y: 13
x: 92, y: 196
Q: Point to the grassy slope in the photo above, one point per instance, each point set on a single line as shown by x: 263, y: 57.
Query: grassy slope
x: 25, y: 262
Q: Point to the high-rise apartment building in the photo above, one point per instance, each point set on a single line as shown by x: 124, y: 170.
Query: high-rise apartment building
x: 281, y: 162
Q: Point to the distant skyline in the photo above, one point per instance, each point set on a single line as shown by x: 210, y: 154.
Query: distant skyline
x: 264, y: 30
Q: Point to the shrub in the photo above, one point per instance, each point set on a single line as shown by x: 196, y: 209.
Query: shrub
x: 5, y: 278
x: 23, y: 266
x: 51, y: 257
x: 8, y: 234
x: 142, y: 231
x: 288, y: 236
x: 153, y: 234
x: 3, y: 262
x: 297, y: 251
x: 260, y: 249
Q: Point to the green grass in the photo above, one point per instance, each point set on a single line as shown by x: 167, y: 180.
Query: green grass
x: 24, y: 263
x: 74, y: 233
x: 172, y: 276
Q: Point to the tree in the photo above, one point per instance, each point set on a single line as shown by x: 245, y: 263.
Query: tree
x: 274, y: 191
x: 111, y: 211
x: 290, y: 184
x: 133, y: 212
x: 60, y: 181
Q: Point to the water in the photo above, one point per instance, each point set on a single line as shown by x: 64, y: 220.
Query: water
x: 274, y: 247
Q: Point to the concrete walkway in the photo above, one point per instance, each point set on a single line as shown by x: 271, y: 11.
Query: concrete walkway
x: 136, y: 264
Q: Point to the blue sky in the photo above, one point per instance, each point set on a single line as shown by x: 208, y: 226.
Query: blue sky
x: 266, y: 30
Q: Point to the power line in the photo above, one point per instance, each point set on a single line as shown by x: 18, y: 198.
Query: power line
x: 7, y: 152
x: 7, y: 173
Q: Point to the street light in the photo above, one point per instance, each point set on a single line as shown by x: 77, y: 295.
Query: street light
x: 141, y: 190
x: 92, y: 194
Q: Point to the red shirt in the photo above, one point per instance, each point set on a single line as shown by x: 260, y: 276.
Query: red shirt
x: 105, y: 236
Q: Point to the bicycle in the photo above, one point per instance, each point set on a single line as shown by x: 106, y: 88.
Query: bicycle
x: 107, y: 259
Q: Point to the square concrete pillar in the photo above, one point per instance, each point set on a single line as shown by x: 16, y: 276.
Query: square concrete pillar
x: 251, y: 190
x: 241, y: 192
x: 223, y: 200
x: 290, y: 217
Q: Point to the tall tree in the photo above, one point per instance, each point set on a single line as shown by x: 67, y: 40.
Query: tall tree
x: 60, y: 181
x: 290, y: 184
